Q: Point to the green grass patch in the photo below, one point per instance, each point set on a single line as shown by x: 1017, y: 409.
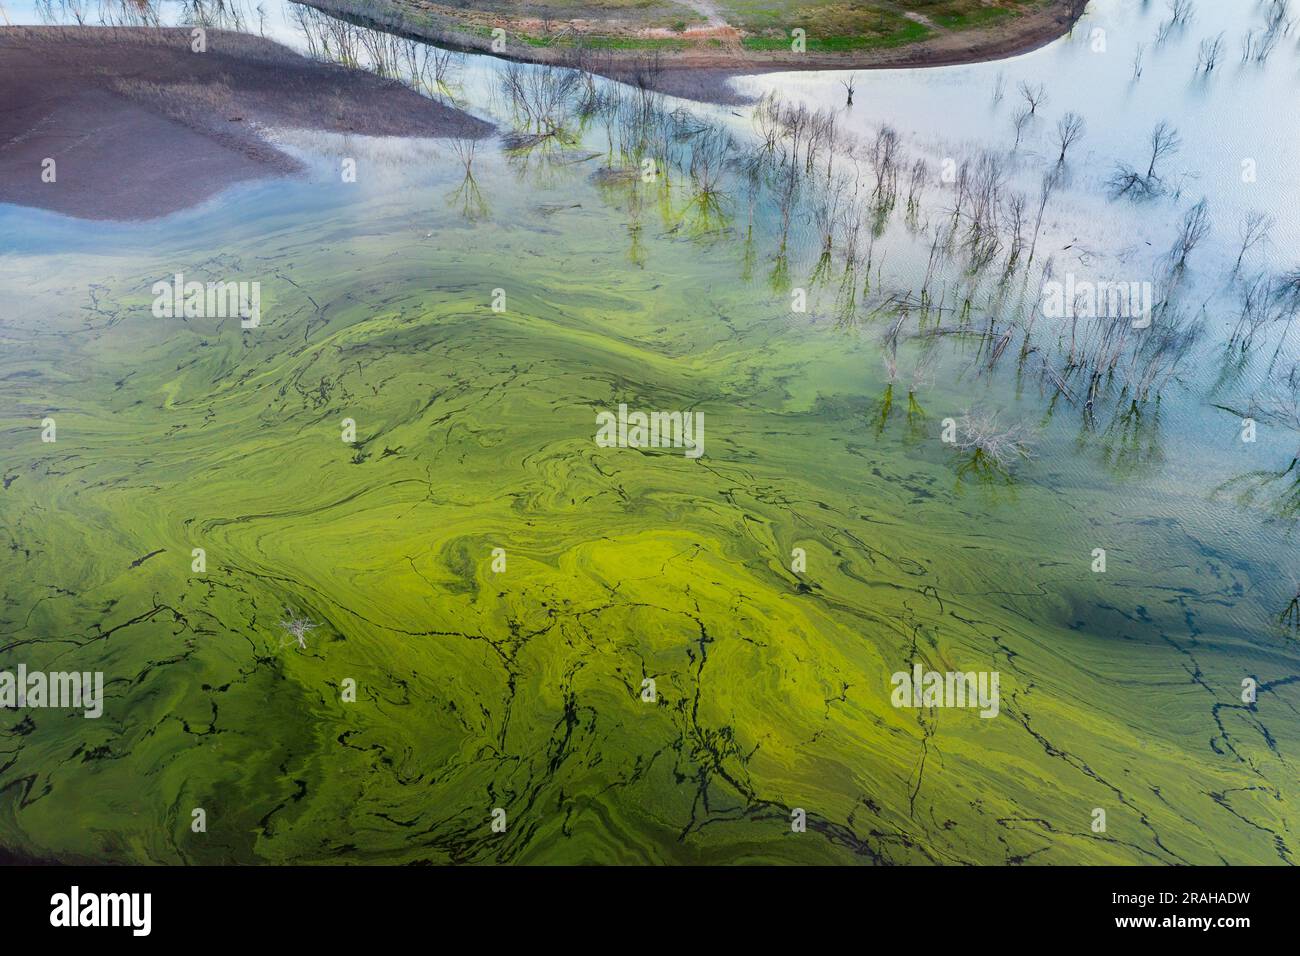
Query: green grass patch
x: 983, y: 17
x: 907, y: 32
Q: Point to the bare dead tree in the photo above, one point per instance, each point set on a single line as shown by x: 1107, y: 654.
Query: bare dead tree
x: 297, y: 628
x: 1162, y: 348
x: 1289, y: 295
x: 1195, y: 227
x: 884, y: 153
x: 540, y: 96
x: 1279, y: 24
x: 465, y: 149
x: 920, y: 173
x: 1137, y: 61
x: 826, y: 214
x: 1182, y: 11
x: 1051, y: 180
x: 1035, y: 96
x: 1125, y: 181
x: 1019, y: 121
x: 1016, y: 206
x: 1248, y: 46
x: 1254, y: 229
x: 980, y: 434
x: 767, y: 117
x: 711, y: 153
x: 850, y: 85
x: 850, y: 227
x: 1165, y: 141
x: 985, y: 202
x: 1286, y: 292
x: 962, y: 189
x: 1069, y: 130
x: 1207, y: 55
x: 443, y: 65
x: 1180, y: 14
x: 1256, y: 311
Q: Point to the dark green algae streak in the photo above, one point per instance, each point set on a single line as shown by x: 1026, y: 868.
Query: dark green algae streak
x: 521, y: 690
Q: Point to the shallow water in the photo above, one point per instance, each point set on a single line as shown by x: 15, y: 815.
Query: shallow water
x: 521, y: 689
x: 1233, y: 114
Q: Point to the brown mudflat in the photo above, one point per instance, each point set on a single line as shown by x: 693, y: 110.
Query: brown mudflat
x: 139, y: 125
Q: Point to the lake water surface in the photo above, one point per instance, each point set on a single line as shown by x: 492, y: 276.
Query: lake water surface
x: 523, y: 688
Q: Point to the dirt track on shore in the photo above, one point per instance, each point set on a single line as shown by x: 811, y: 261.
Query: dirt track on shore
x: 702, y: 72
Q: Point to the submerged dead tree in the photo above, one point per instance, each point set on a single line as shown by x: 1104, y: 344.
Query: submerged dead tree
x: 1195, y: 227
x: 1126, y: 181
x: 1069, y: 130
x: 1254, y: 230
x: 1035, y: 95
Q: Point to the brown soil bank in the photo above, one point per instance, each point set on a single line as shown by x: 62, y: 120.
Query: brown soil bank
x: 138, y: 125
x: 695, y: 62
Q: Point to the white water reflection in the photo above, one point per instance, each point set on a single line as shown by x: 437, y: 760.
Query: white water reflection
x: 1239, y: 144
x: 1229, y: 117
x: 1242, y: 111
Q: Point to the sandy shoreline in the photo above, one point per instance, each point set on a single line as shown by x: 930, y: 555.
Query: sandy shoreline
x: 138, y: 125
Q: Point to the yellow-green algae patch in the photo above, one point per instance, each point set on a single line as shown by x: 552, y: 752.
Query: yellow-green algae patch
x: 522, y: 690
